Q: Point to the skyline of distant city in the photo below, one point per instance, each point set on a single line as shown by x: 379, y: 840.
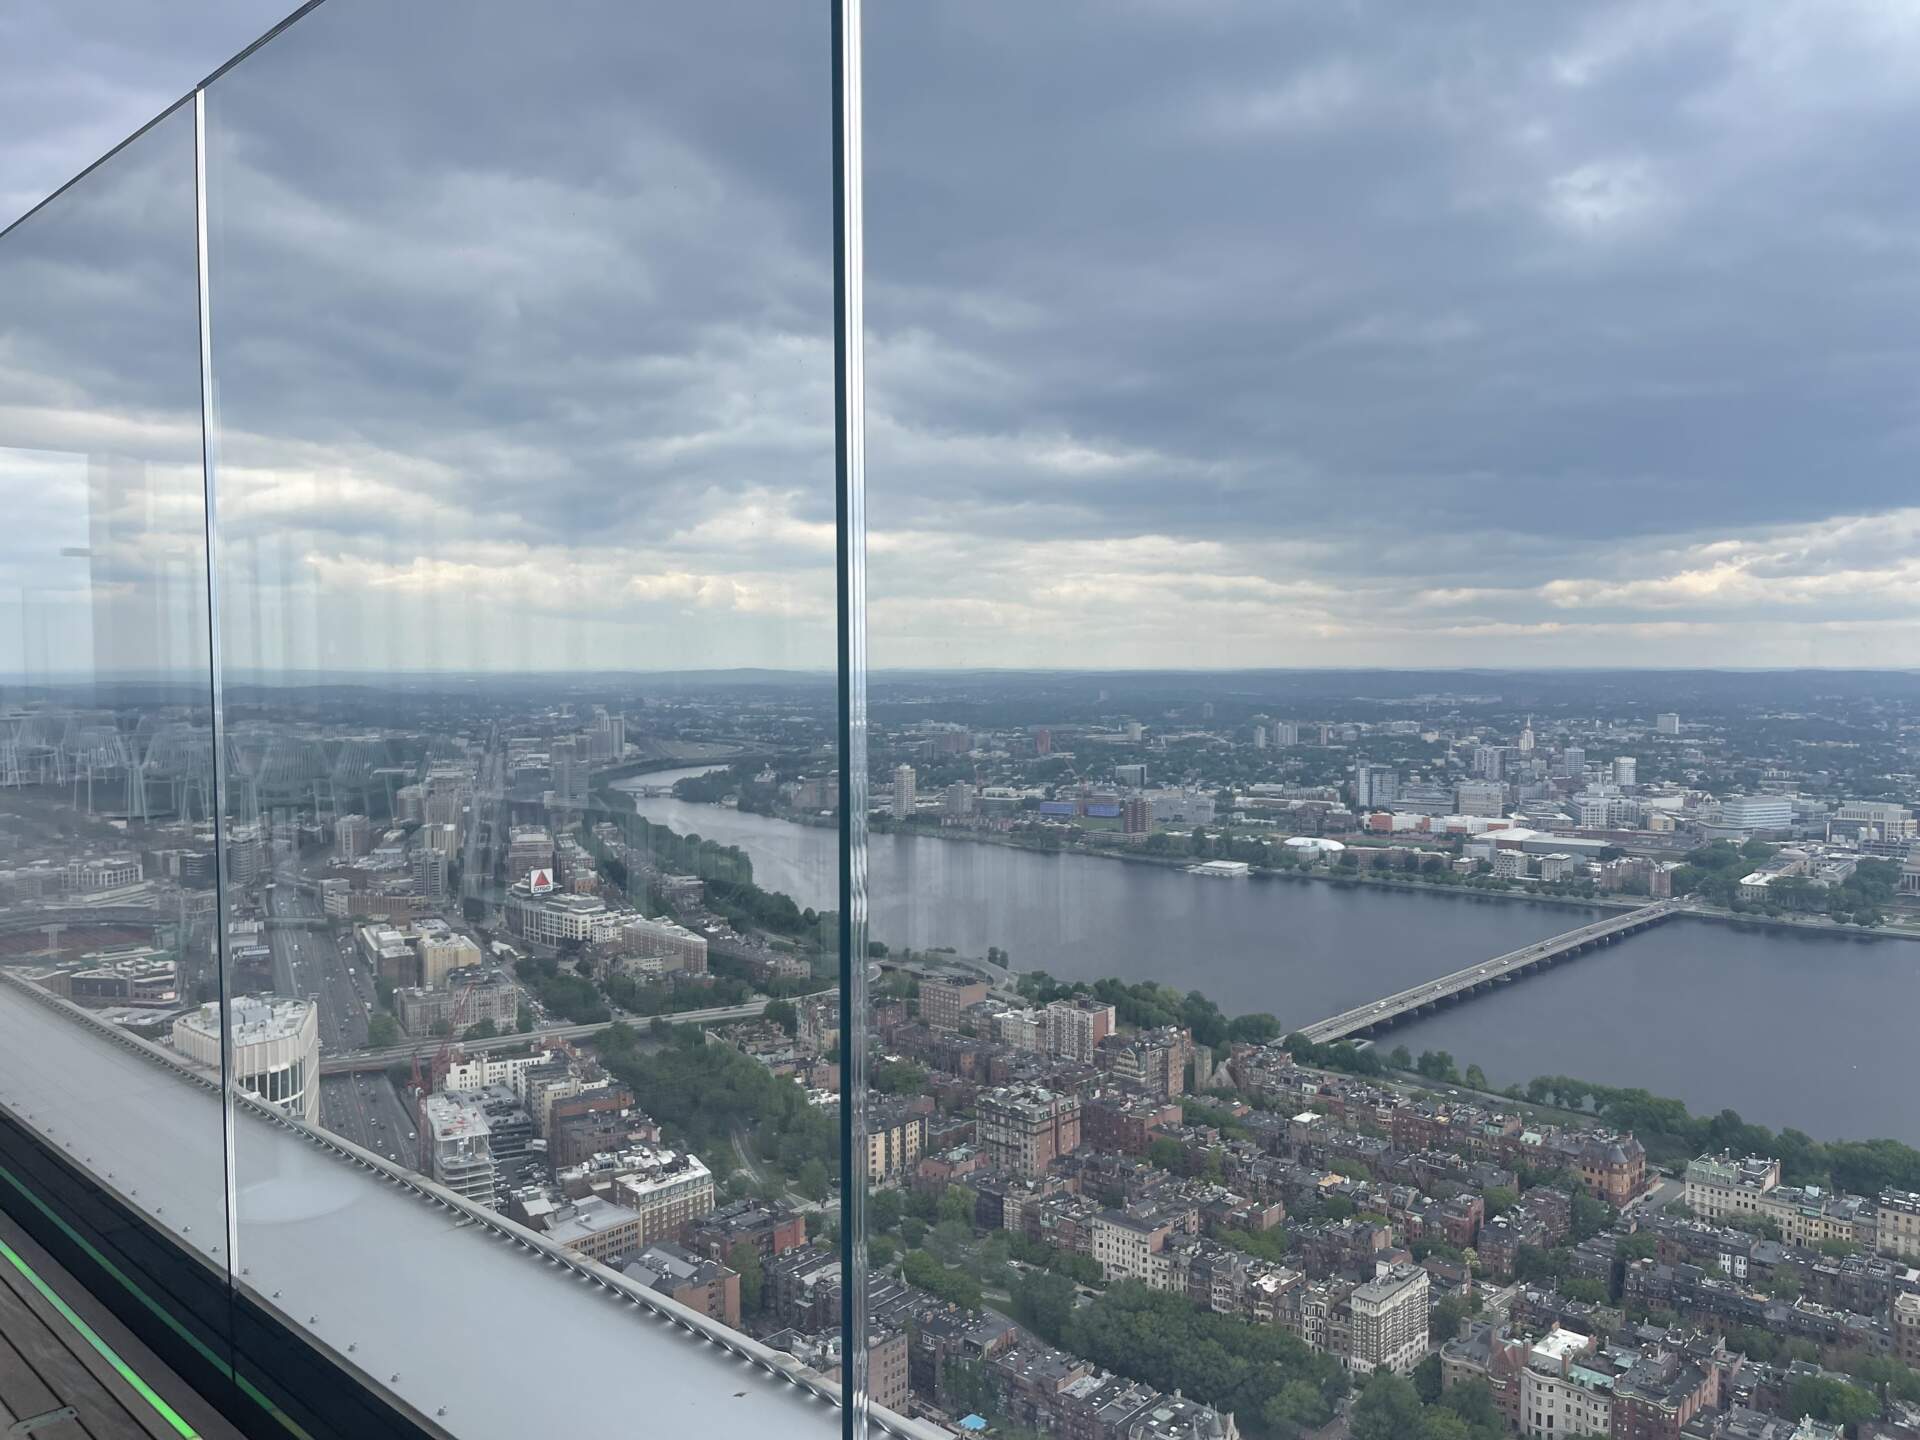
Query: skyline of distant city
x: 291, y: 675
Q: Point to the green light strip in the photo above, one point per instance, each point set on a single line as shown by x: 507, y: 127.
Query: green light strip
x: 164, y: 1410
x: 166, y: 1317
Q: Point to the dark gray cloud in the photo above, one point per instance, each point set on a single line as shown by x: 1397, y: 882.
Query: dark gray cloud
x: 102, y: 559
x: 1469, y: 314
x: 521, y: 338
x: 523, y: 328
x: 1200, y: 333
x: 79, y: 76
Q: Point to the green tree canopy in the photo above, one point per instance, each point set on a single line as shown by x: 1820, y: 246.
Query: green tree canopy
x: 1388, y: 1408
x: 745, y: 1259
x: 957, y: 1203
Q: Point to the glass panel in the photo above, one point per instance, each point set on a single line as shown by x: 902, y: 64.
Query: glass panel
x: 524, y: 364
x: 107, y: 871
x: 1553, y: 365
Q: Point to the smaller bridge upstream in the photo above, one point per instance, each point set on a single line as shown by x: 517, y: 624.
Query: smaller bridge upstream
x: 1431, y: 994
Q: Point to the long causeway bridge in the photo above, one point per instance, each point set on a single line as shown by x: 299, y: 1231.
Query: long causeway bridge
x: 1377, y: 1015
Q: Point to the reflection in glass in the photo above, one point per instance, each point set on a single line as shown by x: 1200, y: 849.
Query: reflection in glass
x: 523, y: 362
x: 107, y: 871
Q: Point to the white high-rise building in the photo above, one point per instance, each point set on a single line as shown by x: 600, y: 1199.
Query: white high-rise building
x: 276, y: 1049
x: 1625, y: 769
x: 903, y: 792
x: 1390, y: 1321
x: 1375, y: 787
x: 1667, y: 724
x: 1757, y: 812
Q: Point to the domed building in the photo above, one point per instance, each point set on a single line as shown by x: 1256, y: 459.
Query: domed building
x: 1314, y: 847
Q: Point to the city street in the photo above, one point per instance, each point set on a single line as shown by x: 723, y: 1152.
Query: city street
x: 1661, y: 1193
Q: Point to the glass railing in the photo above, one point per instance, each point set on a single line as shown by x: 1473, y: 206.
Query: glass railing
x: 423, y: 446
x: 524, y: 425
x: 110, y: 911
x: 1387, y: 604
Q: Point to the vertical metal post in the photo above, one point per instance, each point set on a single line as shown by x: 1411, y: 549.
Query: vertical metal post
x: 209, y: 441
x: 850, y: 510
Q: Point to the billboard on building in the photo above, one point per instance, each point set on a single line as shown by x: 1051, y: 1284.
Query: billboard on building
x: 540, y: 882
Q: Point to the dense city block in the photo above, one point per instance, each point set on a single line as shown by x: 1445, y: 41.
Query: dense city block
x: 486, y: 937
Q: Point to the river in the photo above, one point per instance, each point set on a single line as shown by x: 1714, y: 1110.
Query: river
x: 1811, y: 1031
x: 1300, y: 949
x: 1787, y: 1028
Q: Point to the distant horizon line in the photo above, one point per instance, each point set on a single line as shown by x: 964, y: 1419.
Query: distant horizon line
x: 82, y: 677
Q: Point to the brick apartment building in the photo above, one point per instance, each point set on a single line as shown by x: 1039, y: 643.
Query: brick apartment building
x: 1154, y: 1061
x: 1123, y: 1124
x: 694, y: 1280
x: 771, y: 1229
x: 943, y: 1001
x: 1023, y: 1128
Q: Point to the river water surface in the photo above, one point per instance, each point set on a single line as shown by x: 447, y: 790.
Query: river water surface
x: 1298, y: 948
x: 1812, y: 1031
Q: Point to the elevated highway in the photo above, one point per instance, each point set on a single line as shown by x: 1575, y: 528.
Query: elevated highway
x: 341, y: 1064
x: 21, y: 918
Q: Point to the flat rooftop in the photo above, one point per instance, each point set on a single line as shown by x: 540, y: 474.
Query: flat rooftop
x: 255, y: 1018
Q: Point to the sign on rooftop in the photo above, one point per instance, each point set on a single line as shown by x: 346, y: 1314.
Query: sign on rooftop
x: 540, y: 882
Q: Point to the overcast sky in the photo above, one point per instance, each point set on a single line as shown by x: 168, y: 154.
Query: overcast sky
x: 1200, y: 333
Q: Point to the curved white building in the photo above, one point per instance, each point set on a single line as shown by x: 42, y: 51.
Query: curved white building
x: 276, y: 1048
x: 1314, y: 845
